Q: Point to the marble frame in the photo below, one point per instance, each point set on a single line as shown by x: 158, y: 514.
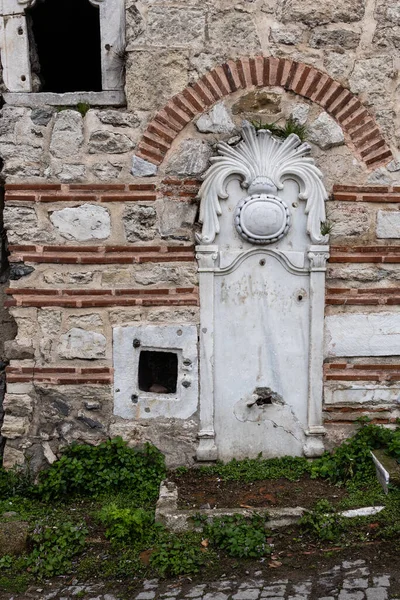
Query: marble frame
x: 14, y: 47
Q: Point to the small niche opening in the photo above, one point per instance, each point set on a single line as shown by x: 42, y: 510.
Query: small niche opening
x: 67, y: 43
x: 158, y: 372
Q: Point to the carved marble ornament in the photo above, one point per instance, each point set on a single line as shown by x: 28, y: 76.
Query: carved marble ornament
x: 264, y: 163
x: 262, y: 218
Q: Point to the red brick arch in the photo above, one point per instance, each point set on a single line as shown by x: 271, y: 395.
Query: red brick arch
x: 358, y: 124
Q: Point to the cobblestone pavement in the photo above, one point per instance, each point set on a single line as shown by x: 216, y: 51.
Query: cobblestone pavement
x: 349, y: 580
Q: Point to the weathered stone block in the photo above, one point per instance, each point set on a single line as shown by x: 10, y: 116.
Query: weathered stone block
x: 387, y: 33
x: 380, y: 177
x: 48, y: 453
x: 359, y: 393
x: 18, y: 270
x: 191, y: 158
x: 178, y: 315
x: 9, y: 117
x: 372, y: 74
x: 78, y: 277
x: 49, y: 321
x: 342, y: 38
x: 142, y: 168
x: 68, y: 173
x: 14, y: 168
x: 349, y: 220
x: 148, y: 88
x: 79, y: 343
x: 13, y: 537
x: 18, y: 405
x: 258, y: 101
x: 83, y: 223
x: 12, y: 457
x: 139, y: 222
x: 181, y: 276
x: 217, y: 120
x: 387, y: 12
x: 373, y: 334
x: 338, y: 65
x: 18, y: 350
x: 42, y: 116
x: 355, y: 272
x: 174, y: 437
x: 177, y: 219
x: 300, y: 113
x: 115, y: 276
x: 67, y: 136
x: 232, y: 32
x: 388, y: 224
x: 85, y: 321
x: 123, y: 316
x: 22, y: 225
x: 387, y: 37
x: 109, y: 142
x: 171, y: 26
x: 22, y: 152
x: 118, y: 118
x: 286, y: 34
x: 14, y: 427
x: 26, y: 319
x: 331, y: 11
x: 134, y: 22
x: 106, y: 171
x: 325, y: 132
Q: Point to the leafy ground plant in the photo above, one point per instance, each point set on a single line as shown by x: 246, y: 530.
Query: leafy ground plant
x: 112, y: 466
x: 323, y: 522
x: 14, y: 483
x: 54, y: 547
x: 352, y: 459
x: 127, y: 524
x: 176, y: 555
x: 238, y: 536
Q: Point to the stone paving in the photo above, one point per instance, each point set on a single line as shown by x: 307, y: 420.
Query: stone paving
x: 349, y: 580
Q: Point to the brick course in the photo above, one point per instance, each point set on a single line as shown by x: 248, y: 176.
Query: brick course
x: 307, y: 81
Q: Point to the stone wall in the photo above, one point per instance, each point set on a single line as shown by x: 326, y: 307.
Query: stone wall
x: 101, y: 205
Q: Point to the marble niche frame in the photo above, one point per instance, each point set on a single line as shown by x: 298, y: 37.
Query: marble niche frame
x: 263, y: 164
x: 15, y: 57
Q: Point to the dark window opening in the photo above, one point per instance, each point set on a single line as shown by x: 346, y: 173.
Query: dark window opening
x: 66, y: 34
x: 158, y: 372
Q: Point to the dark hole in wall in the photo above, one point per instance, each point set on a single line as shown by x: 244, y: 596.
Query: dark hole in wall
x: 158, y: 370
x: 67, y: 38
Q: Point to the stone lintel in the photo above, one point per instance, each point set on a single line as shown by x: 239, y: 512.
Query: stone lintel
x: 106, y: 98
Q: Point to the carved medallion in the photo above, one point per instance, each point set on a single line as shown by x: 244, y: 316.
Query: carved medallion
x: 262, y: 218
x: 263, y: 164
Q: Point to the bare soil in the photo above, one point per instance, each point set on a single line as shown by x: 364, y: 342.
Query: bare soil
x: 196, y: 491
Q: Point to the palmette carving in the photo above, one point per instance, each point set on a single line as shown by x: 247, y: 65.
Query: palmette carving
x: 264, y: 164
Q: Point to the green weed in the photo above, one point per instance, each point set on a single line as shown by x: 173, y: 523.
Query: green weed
x: 326, y: 228
x: 238, y: 536
x: 54, y: 547
x: 14, y: 483
x: 291, y: 126
x: 323, y: 522
x: 81, y: 107
x: 85, y: 470
x: 352, y: 459
x: 176, y: 555
x: 127, y: 524
x: 256, y: 469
